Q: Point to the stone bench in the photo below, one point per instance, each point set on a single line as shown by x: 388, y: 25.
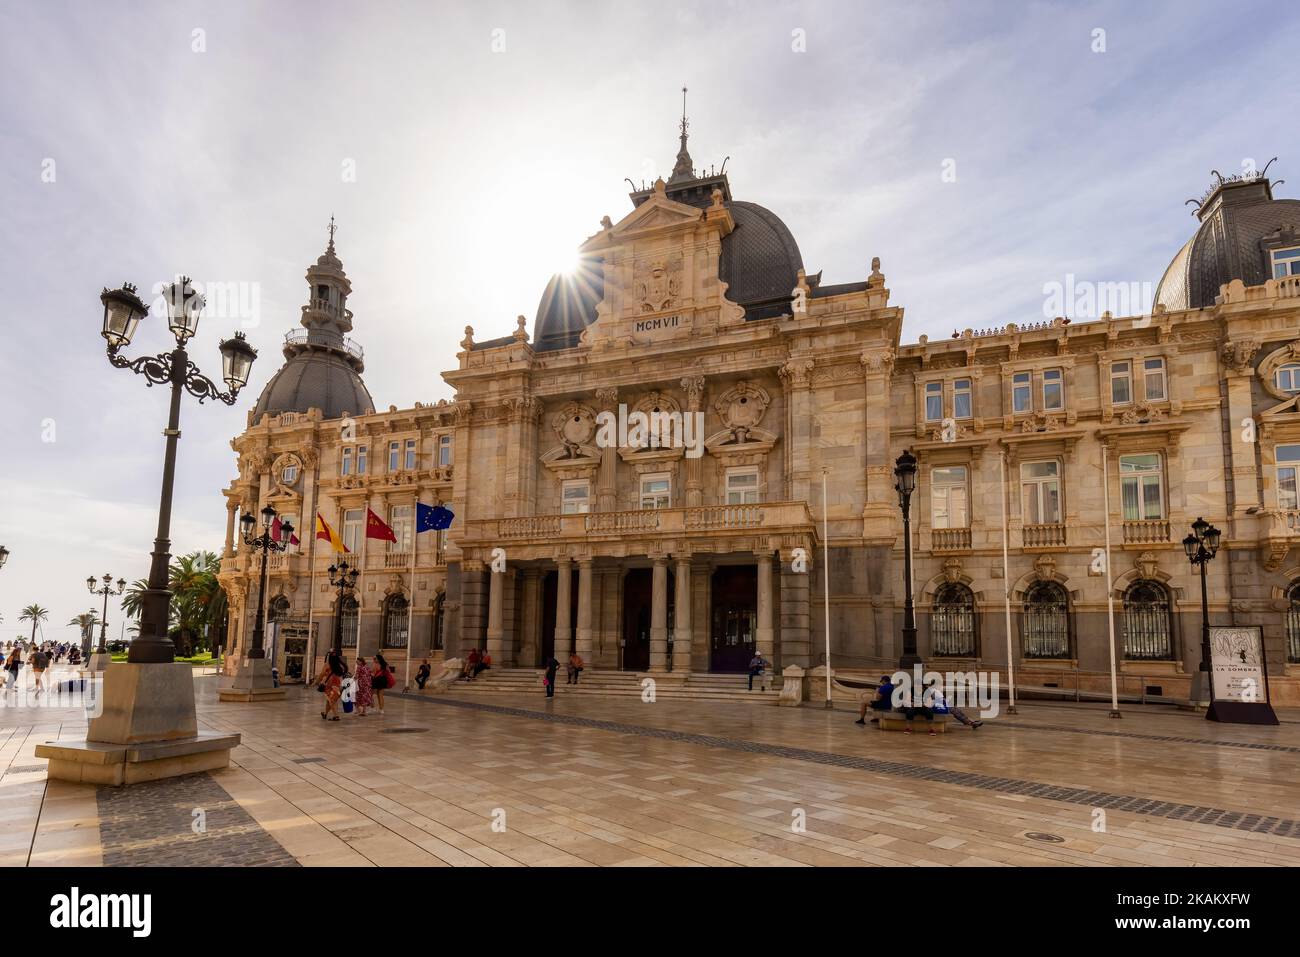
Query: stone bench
x: 897, y: 721
x: 94, y: 762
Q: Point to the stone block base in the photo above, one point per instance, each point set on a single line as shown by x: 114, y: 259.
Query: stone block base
x: 93, y: 762
x: 98, y: 662
x: 251, y: 682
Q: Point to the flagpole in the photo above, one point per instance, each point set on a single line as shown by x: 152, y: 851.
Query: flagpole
x: 410, y: 606
x: 1006, y: 587
x: 1110, y: 594
x: 310, y: 664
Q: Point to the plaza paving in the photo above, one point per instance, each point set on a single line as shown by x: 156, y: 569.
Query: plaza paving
x: 505, y: 780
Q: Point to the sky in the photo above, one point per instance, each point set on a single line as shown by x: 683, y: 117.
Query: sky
x: 983, y: 150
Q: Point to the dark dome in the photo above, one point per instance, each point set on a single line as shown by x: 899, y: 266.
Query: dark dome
x: 315, y: 379
x: 569, y: 305
x: 1240, y: 223
x: 760, y: 261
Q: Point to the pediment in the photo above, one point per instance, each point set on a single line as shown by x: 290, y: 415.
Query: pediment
x: 656, y: 214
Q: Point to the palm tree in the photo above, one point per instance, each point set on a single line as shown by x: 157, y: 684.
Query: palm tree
x: 133, y: 599
x: 197, y: 599
x: 35, y: 614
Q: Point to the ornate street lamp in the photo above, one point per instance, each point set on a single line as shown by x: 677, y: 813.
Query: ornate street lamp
x: 1201, y: 547
x: 344, y: 579
x: 105, y: 590
x: 905, y: 485
x: 123, y: 311
x: 265, y: 543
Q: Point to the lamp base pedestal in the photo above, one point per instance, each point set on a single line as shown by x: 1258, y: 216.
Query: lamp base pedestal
x: 99, y: 661
x: 145, y: 729
x: 251, y: 682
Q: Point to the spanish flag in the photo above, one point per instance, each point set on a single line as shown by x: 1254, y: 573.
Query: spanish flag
x: 324, y: 531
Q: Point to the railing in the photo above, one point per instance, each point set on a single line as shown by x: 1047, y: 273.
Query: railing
x: 297, y: 337
x: 1146, y: 532
x: 1288, y: 287
x: 1040, y: 536
x: 949, y: 539
x: 666, y: 521
x: 397, y: 559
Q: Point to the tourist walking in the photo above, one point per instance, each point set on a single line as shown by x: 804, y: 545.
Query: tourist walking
x: 13, y: 665
x: 40, y: 661
x: 575, y: 668
x: 364, y: 695
x: 330, y: 681
x: 552, y: 669
x: 380, y: 679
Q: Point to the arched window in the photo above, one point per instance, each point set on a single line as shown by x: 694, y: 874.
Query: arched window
x: 1045, y: 625
x: 349, y: 622
x: 396, y: 618
x: 1293, y: 623
x: 436, y: 644
x: 279, y: 608
x: 952, y: 625
x: 1146, y: 622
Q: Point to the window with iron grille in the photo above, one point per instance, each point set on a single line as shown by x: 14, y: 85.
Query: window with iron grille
x: 952, y: 624
x: 279, y: 608
x: 1146, y: 622
x: 349, y: 623
x: 396, y: 619
x: 1293, y: 623
x: 1045, y: 625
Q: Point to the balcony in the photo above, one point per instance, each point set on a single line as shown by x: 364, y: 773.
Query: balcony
x: 397, y: 559
x: 1147, y: 532
x: 703, y: 520
x: 1043, y: 536
x: 949, y: 539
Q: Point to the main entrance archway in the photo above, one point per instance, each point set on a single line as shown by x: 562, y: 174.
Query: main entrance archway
x: 733, y: 630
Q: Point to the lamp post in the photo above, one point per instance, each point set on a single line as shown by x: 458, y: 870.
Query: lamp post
x: 344, y: 579
x: 905, y: 485
x: 1201, y: 547
x: 105, y: 590
x: 265, y: 543
x: 123, y: 311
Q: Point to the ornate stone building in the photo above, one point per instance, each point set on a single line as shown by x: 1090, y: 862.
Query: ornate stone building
x: 685, y: 546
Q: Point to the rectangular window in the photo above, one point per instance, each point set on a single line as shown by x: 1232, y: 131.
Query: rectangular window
x: 1021, y: 396
x: 742, y: 486
x: 1154, y: 370
x: 353, y: 526
x: 444, y: 450
x: 656, y: 491
x: 394, y: 456
x: 1288, y: 461
x: 1141, y: 487
x: 1121, y: 383
x: 289, y: 475
x: 345, y: 466
x: 933, y: 401
x: 961, y: 404
x: 1286, y: 262
x: 410, y: 454
x: 1053, y: 389
x: 1040, y: 486
x: 361, y: 460
x: 948, y: 497
x: 576, y: 495
x: 402, y: 520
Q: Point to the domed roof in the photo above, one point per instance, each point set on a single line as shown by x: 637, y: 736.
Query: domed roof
x: 1240, y: 223
x: 760, y: 261
x: 569, y: 305
x: 315, y: 379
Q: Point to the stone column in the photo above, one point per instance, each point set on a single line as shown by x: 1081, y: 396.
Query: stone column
x: 496, y: 619
x: 563, y: 627
x: 659, y: 617
x: 766, y: 640
x: 232, y: 506
x: 682, y: 638
x: 796, y: 646
x: 528, y: 649
x: 694, y: 388
x: 584, y: 641
x: 606, y: 483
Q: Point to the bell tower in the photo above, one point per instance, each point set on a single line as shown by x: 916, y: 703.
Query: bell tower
x: 326, y: 316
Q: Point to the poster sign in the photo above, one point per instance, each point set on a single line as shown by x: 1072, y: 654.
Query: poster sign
x: 1239, y: 671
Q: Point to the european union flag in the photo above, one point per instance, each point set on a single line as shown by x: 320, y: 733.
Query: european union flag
x: 429, y: 518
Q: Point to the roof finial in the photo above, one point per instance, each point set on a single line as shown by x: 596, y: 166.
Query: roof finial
x: 683, y: 168
x: 332, y: 228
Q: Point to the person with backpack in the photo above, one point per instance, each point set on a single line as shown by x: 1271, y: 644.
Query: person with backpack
x: 380, y: 679
x: 40, y: 661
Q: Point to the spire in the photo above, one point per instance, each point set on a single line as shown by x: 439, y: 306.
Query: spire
x: 332, y: 227
x: 683, y: 169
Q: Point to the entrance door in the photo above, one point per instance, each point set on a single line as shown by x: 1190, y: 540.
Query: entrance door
x: 735, y: 618
x: 638, y: 594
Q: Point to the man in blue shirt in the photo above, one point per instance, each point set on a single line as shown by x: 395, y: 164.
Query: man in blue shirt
x: 883, y: 701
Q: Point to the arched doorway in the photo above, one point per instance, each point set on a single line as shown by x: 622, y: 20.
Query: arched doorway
x: 952, y: 622
x: 1045, y: 623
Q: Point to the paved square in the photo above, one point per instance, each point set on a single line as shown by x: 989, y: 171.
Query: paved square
x: 514, y: 780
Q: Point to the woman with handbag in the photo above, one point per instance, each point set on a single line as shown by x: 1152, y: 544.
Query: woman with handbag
x: 330, y: 682
x: 381, y: 678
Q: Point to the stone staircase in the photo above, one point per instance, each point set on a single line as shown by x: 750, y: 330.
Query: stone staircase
x: 698, y: 686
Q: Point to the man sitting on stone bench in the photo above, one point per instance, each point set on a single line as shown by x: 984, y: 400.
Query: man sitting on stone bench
x: 910, y: 710
x: 883, y: 701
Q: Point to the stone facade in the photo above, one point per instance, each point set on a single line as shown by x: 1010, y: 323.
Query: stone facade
x: 649, y: 557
